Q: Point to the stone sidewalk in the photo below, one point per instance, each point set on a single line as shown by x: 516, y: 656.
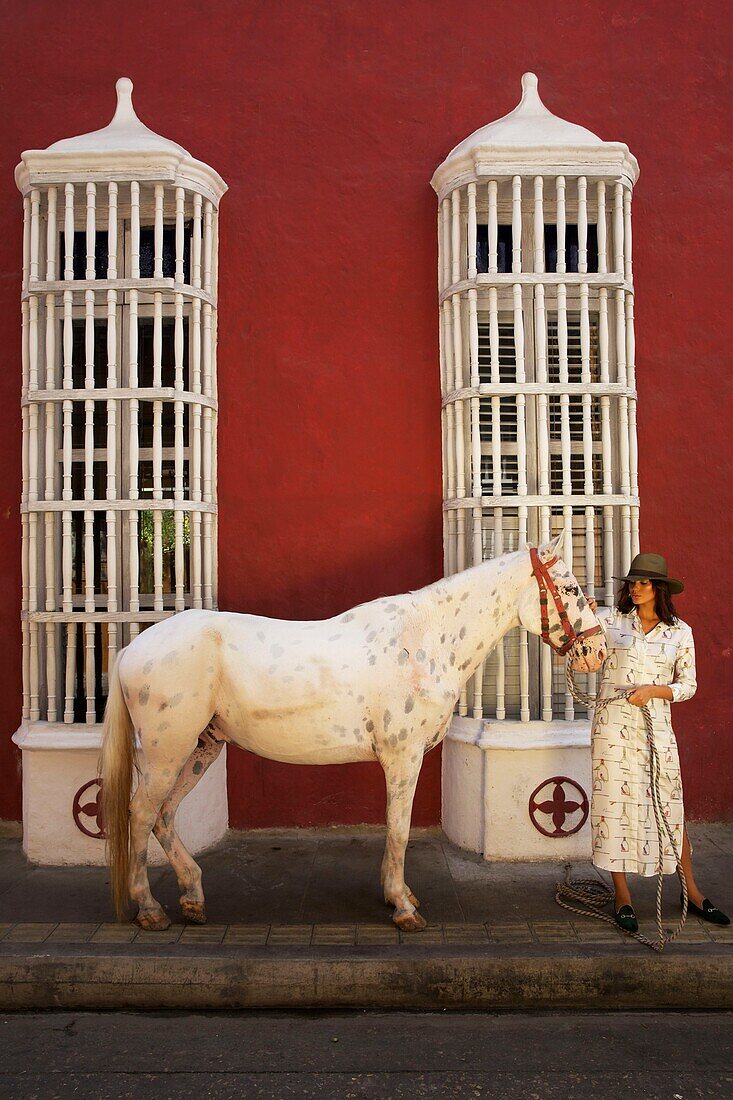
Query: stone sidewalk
x: 295, y: 917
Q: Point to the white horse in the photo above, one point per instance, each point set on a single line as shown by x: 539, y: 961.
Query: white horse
x: 379, y: 682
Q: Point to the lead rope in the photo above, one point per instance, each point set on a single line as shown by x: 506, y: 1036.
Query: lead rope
x: 593, y: 894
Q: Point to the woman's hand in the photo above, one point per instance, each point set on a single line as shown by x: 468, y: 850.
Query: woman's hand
x: 592, y: 604
x: 643, y: 694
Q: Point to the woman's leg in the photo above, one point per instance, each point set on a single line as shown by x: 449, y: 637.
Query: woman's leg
x: 693, y: 891
x: 621, y: 888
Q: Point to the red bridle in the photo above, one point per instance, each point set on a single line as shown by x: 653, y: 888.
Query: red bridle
x: 545, y: 583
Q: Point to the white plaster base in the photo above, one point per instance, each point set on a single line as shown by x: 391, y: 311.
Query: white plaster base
x: 490, y: 770
x: 59, y: 759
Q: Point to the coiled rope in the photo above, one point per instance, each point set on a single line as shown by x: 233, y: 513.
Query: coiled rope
x: 593, y: 894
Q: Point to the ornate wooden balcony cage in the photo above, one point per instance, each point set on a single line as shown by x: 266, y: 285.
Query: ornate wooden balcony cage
x: 537, y: 369
x: 119, y: 403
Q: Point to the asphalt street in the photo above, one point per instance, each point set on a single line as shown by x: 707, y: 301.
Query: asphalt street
x: 671, y: 1056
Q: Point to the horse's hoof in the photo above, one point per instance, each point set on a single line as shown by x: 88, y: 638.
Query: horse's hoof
x: 409, y: 921
x: 195, y: 914
x: 153, y: 920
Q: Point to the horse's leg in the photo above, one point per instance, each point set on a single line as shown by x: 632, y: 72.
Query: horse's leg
x: 143, y: 810
x: 185, y: 866
x: 401, y: 776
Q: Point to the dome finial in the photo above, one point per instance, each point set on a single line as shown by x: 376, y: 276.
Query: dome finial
x: 530, y: 93
x: 125, y: 112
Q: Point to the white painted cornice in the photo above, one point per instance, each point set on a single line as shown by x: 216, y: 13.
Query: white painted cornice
x: 530, y: 140
x: 126, y: 149
x: 490, y: 733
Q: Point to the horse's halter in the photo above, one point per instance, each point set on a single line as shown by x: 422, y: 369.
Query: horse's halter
x: 545, y: 583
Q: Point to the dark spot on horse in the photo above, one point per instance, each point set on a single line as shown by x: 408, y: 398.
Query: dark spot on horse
x: 402, y: 657
x: 421, y: 655
x: 144, y: 695
x: 234, y: 647
x: 403, y: 734
x: 465, y: 596
x: 176, y: 699
x: 163, y: 706
x: 147, y: 667
x: 387, y: 719
x: 462, y: 632
x: 197, y: 768
x: 276, y: 650
x: 372, y: 659
x: 371, y: 635
x: 171, y: 657
x: 162, y: 728
x: 409, y: 704
x: 346, y: 618
x: 369, y: 726
x: 452, y: 658
x: 442, y: 639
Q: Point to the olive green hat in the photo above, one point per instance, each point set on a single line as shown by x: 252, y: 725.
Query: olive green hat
x: 654, y: 568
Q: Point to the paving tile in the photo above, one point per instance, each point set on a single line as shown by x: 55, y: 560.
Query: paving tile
x: 287, y: 935
x: 722, y: 934
x: 29, y: 933
x: 553, y: 931
x: 203, y: 933
x: 72, y: 933
x: 159, y: 939
x: 510, y: 933
x: 326, y: 934
x: 465, y: 933
x: 376, y: 935
x: 431, y: 935
x: 246, y: 935
x: 115, y: 933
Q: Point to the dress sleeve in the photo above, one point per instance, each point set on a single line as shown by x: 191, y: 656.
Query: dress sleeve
x: 684, y: 680
x: 604, y: 615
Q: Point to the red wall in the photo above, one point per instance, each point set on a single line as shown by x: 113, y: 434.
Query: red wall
x: 327, y: 121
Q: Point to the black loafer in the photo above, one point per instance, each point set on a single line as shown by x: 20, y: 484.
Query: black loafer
x: 626, y: 918
x: 707, y: 911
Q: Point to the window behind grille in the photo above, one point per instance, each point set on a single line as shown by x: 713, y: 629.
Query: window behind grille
x: 507, y: 409
x: 576, y: 416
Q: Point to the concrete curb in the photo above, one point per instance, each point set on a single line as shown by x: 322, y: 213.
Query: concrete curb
x: 329, y: 979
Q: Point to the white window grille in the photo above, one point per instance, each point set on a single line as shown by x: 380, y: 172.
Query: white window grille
x: 119, y: 316
x: 538, y: 370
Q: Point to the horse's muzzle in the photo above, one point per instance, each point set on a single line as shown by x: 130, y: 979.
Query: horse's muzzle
x: 588, y: 654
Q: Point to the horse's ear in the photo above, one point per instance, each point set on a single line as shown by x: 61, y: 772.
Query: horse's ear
x: 552, y: 548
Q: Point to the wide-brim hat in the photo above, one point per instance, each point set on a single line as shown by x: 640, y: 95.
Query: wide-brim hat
x: 651, y: 567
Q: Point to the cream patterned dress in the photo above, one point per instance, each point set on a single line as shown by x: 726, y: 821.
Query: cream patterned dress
x: 622, y: 817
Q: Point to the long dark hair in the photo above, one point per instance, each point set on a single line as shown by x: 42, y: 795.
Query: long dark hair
x: 663, y: 605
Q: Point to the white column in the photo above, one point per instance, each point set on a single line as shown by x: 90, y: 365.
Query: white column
x: 543, y: 456
x: 539, y: 226
x: 560, y: 198
x: 516, y: 224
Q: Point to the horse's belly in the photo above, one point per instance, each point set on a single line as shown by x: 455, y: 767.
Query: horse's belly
x: 293, y: 740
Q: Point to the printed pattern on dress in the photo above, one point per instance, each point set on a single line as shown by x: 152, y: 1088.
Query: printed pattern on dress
x: 622, y: 816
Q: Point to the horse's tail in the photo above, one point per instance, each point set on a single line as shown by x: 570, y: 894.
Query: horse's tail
x: 116, y: 763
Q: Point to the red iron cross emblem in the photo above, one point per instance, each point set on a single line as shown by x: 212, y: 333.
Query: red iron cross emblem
x: 558, y: 805
x: 89, y: 809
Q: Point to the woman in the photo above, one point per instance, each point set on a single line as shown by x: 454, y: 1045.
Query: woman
x: 652, y: 650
